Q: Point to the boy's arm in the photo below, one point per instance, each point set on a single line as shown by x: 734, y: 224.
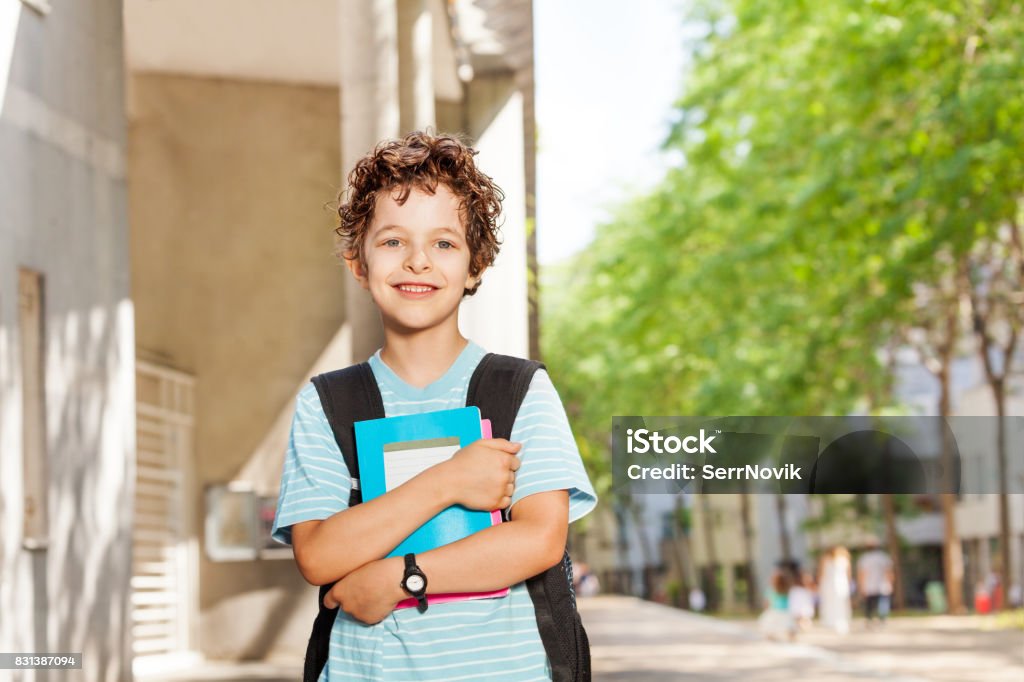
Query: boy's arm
x: 491, y: 559
x: 332, y: 548
x: 503, y: 555
x: 480, y: 476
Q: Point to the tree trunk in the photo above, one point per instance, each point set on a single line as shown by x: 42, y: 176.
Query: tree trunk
x: 982, y: 316
x: 680, y: 551
x: 621, y: 548
x: 645, y: 548
x: 707, y: 523
x: 893, y: 542
x: 578, y: 544
x: 748, y: 549
x: 952, y: 552
x: 780, y: 509
x: 1006, y: 576
x: 525, y: 78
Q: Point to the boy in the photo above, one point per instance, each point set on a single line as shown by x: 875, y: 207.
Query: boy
x: 417, y: 232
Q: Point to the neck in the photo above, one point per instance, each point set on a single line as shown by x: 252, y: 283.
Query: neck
x: 421, y: 358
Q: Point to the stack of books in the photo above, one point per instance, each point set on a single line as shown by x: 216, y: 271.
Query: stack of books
x: 390, y: 451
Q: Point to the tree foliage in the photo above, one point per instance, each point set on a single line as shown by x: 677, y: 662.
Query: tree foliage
x: 829, y: 151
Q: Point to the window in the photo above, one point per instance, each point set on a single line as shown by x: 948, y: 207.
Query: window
x: 33, y: 406
x: 238, y: 524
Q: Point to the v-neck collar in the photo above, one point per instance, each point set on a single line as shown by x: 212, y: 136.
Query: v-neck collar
x: 466, y: 360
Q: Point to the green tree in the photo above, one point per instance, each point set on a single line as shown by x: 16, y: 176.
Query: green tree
x: 829, y: 152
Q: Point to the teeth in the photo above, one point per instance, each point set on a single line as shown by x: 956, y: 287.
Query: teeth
x: 415, y: 290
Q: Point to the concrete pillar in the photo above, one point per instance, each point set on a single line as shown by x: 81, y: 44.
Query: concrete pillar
x: 415, y: 66
x: 369, y: 113
x: 496, y: 316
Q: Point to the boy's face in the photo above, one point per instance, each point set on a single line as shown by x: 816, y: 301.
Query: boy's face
x: 416, y: 260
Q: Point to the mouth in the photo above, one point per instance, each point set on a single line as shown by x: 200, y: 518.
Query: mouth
x: 408, y: 290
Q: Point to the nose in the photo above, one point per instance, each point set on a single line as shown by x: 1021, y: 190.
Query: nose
x: 417, y: 260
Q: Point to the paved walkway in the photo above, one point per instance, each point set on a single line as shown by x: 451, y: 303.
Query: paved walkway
x: 637, y: 641
x: 215, y: 671
x: 940, y: 648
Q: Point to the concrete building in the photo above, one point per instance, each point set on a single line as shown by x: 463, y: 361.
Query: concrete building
x: 169, y: 173
x: 67, y: 348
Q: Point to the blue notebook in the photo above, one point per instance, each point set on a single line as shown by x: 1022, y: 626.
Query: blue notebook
x: 392, y: 450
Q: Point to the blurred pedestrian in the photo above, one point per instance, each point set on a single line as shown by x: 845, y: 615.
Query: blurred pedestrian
x: 834, y: 589
x: 1015, y: 596
x: 874, y: 582
x: 586, y: 582
x: 775, y: 621
x: 935, y: 596
x: 994, y: 586
x: 698, y: 602
x: 801, y: 599
x: 982, y: 598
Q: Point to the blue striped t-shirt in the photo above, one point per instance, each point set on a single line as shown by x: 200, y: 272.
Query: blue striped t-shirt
x: 485, y: 639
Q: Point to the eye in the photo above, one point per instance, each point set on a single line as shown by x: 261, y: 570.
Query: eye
x: 390, y: 242
x: 444, y: 244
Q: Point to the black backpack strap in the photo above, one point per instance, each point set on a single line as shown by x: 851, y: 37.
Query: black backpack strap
x: 347, y: 395
x: 498, y: 387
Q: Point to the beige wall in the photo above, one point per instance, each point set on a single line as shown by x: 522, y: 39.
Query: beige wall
x: 234, y: 281
x: 450, y: 116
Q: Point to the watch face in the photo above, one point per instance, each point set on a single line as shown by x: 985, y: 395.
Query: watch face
x: 414, y: 583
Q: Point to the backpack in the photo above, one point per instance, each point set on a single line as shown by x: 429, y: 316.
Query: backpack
x: 498, y: 387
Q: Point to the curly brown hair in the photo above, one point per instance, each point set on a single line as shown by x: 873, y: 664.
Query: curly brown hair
x: 421, y: 160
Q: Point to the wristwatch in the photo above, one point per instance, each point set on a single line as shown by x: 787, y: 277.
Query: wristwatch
x: 415, y: 581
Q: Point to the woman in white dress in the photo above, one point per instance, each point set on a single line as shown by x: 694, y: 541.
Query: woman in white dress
x: 834, y: 589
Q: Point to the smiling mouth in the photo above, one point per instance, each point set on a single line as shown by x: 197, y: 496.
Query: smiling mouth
x: 414, y: 289
x: 415, y: 292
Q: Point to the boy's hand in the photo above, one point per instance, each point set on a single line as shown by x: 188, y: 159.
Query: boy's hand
x: 370, y: 592
x: 482, y: 475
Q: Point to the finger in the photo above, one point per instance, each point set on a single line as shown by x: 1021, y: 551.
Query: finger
x: 509, y: 489
x: 505, y: 501
x: 511, y: 477
x: 330, y: 602
x: 501, y: 444
x: 514, y: 463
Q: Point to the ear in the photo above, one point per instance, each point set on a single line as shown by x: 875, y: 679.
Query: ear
x: 357, y: 268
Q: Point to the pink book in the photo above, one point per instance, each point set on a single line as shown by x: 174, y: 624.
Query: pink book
x: 485, y: 430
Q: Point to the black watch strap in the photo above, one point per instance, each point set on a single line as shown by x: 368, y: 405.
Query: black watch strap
x: 411, y: 569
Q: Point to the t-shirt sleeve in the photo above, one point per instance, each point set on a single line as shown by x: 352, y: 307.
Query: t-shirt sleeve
x: 550, y: 458
x: 315, y: 483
